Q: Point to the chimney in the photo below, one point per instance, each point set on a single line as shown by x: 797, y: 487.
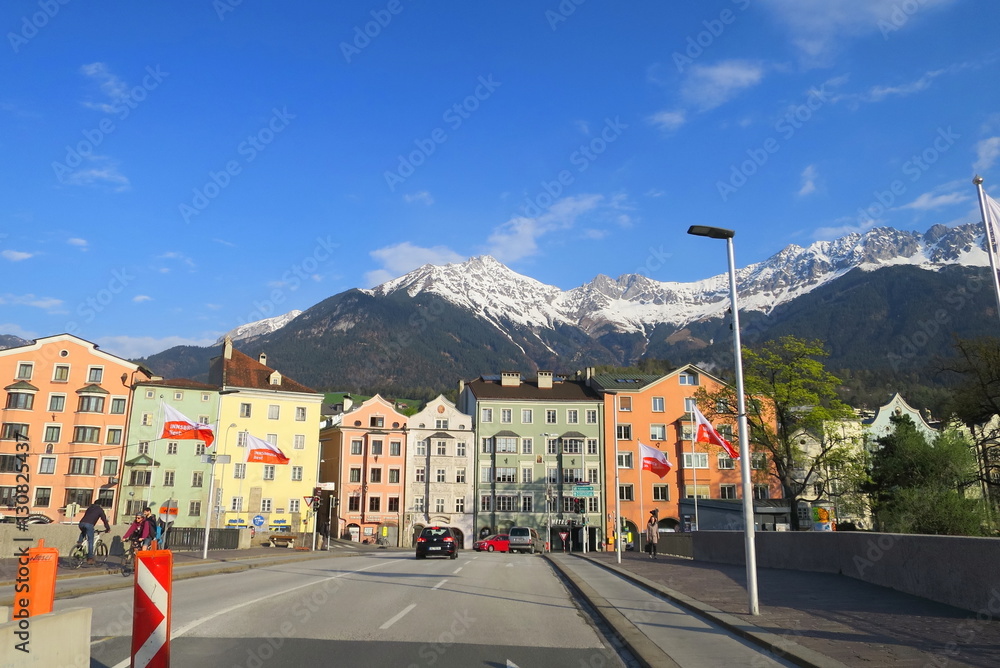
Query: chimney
x: 461, y: 387
x: 227, y: 348
x: 510, y: 378
x: 545, y: 380
x: 348, y: 402
x: 590, y: 376
x: 262, y: 358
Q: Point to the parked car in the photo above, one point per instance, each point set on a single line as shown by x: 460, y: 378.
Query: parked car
x: 525, y: 539
x: 496, y: 543
x: 437, y: 542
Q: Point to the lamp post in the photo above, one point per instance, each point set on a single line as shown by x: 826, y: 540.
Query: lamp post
x: 617, y: 533
x: 748, y: 523
x: 212, y: 458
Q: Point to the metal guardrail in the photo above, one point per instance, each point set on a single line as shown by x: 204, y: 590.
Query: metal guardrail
x: 193, y: 538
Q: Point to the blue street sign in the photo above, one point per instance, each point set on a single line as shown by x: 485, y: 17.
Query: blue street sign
x: 258, y: 520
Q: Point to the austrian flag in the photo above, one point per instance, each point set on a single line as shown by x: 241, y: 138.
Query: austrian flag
x: 654, y: 460
x: 707, y: 434
x: 259, y: 450
x: 175, y: 425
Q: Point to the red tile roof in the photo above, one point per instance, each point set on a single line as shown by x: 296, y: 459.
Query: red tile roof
x: 241, y: 370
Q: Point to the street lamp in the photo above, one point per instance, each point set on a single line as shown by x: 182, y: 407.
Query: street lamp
x: 548, y: 493
x: 748, y: 524
x: 213, y: 458
x: 617, y: 533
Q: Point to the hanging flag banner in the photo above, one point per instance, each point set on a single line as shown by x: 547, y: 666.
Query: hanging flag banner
x: 654, y: 460
x: 708, y: 434
x: 176, y: 425
x: 259, y: 450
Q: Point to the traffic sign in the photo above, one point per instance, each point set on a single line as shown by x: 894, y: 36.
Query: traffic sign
x: 309, y: 501
x: 583, y: 491
x: 258, y: 520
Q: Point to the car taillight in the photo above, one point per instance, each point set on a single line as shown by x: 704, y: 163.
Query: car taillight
x: 448, y: 539
x: 421, y: 540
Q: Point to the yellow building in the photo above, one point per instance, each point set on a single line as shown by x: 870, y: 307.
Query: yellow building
x: 258, y: 401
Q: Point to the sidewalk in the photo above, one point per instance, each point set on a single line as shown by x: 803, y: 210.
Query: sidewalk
x: 845, y: 619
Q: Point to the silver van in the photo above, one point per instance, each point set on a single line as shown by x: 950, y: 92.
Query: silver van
x: 525, y: 539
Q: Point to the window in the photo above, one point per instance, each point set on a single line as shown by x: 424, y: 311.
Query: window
x: 60, y: 374
x: 354, y: 475
x: 506, y: 474
x: 356, y: 447
x: 625, y: 493
x: 82, y: 465
x: 487, y: 445
x: 172, y: 448
x: 168, y: 478
x: 47, y: 465
x: 114, y: 436
x: 442, y: 448
x: 149, y: 395
x: 695, y: 460
x: 205, y: 396
x: 460, y: 504
x: 761, y: 492
x: 573, y: 416
x: 526, y: 416
x: 593, y: 505
x: 552, y: 475
x: 90, y: 404
x: 527, y: 503
x: 354, y: 504
x: 296, y: 474
x: 394, y: 476
x: 552, y: 446
x: 592, y: 476
x: 57, y: 403
x: 506, y: 415
x: 459, y: 475
x: 21, y: 400
x: 374, y: 504
x: 300, y: 414
x: 376, y: 447
x: 293, y: 505
x: 265, y: 505
x: 24, y: 371
x: 486, y: 415
x: 376, y: 421
x: 506, y: 502
x: 657, y: 432
x: 758, y: 460
x: 396, y: 449
x: 687, y: 378
x: 658, y: 404
x: 14, y: 430
x: 95, y: 374
x: 109, y: 467
x: 661, y: 492
x: 624, y: 432
x: 460, y: 449
x: 591, y: 416
x: 527, y: 445
x: 81, y: 497
x: 43, y: 496
x: 625, y: 404
x: 271, y: 438
x: 375, y: 475
x: 701, y: 491
x: 422, y: 448
x: 486, y: 474
x: 419, y: 475
x: 393, y: 504
x: 236, y: 505
x: 568, y: 504
x: 273, y: 412
x: 178, y: 396
x: 441, y: 475
x: 13, y: 464
x: 624, y: 460
x: 687, y: 433
x: 106, y: 498
x: 140, y: 478
x: 441, y: 423
x: 727, y: 491
x: 245, y: 410
x: 507, y: 444
x: 592, y: 445
x: 439, y: 505
x: 147, y: 420
x: 239, y: 470
x: 196, y: 478
x: 573, y: 446
x: 550, y: 416
x: 572, y: 475
x: 690, y: 404
x: 418, y: 504
x: 268, y: 471
x: 52, y: 433
x: 526, y: 475
x: 726, y: 462
x: 299, y: 442
x: 199, y: 449
x: 194, y: 509
x: 726, y: 431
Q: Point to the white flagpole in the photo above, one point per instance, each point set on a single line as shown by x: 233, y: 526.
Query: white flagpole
x: 991, y: 247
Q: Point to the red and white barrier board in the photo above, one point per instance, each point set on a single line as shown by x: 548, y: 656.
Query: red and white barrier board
x: 151, y: 609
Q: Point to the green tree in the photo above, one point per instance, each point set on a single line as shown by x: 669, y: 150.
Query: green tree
x: 790, y: 394
x: 917, y: 487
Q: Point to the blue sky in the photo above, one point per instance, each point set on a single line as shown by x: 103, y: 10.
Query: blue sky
x: 174, y: 170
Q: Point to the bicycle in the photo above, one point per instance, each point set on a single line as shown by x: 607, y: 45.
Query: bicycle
x: 78, y: 555
x: 128, y: 557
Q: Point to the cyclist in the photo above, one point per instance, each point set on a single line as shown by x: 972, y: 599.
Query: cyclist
x: 154, y: 528
x: 93, y: 515
x: 138, y: 531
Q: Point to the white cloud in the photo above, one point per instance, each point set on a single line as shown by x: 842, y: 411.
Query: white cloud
x: 15, y: 256
x: 518, y: 237
x: 17, y: 330
x: 809, y: 175
x: 103, y: 171
x: 178, y: 257
x: 50, y: 304
x: 830, y: 233
x: 113, y: 87
x: 668, y: 120
x: 403, y: 257
x: 78, y: 242
x: 709, y: 86
x: 879, y: 93
x: 987, y: 152
x: 655, y: 192
x: 138, y: 299
x: 928, y: 201
x: 423, y: 196
x: 131, y: 347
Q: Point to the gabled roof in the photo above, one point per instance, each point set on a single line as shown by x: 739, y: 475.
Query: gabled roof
x: 142, y: 460
x: 236, y: 369
x: 21, y: 385
x: 625, y: 381
x: 93, y: 388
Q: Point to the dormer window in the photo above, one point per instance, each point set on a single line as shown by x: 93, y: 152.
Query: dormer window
x: 687, y: 378
x: 275, y: 378
x: 377, y: 421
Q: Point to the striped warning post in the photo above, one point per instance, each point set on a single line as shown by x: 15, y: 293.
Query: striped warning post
x: 152, y: 605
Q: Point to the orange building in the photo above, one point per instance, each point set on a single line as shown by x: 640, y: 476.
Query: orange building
x: 656, y: 411
x: 70, y: 402
x: 364, y: 455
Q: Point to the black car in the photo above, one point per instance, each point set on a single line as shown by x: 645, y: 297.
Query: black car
x: 437, y: 542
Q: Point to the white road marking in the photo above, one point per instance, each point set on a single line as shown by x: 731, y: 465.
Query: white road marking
x: 439, y: 584
x: 398, y: 617
x: 459, y: 569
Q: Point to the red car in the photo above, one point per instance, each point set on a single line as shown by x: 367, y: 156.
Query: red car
x: 497, y: 543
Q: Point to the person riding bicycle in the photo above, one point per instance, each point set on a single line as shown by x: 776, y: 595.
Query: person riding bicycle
x: 138, y: 531
x: 154, y: 528
x: 88, y: 523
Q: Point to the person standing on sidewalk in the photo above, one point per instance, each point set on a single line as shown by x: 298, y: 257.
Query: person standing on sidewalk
x: 88, y: 523
x: 652, y: 532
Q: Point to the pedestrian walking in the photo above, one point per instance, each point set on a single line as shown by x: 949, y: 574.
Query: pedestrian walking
x: 652, y: 532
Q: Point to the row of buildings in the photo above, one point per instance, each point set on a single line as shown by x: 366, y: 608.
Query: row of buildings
x: 550, y: 452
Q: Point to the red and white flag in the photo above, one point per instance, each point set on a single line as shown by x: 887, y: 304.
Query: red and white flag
x: 176, y: 425
x: 259, y: 450
x: 707, y: 434
x: 654, y: 460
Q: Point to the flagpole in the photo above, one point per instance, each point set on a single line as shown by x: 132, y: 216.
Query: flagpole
x: 991, y: 248
x: 694, y: 472
x: 618, y: 500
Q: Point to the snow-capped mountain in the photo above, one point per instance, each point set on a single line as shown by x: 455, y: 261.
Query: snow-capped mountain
x: 635, y: 303
x: 259, y: 328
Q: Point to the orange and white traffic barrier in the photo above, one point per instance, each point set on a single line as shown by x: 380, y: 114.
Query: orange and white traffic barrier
x: 152, y: 604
